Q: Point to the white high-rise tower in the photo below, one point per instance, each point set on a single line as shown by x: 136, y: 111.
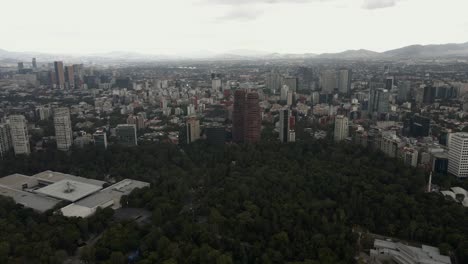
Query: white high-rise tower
x: 63, y: 130
x: 19, y: 134
x: 341, y: 128
x: 458, y: 155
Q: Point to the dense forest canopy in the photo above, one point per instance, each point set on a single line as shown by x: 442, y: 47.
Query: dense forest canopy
x: 264, y: 203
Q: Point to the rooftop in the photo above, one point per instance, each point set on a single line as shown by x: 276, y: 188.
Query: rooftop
x: 52, y: 177
x: 69, y: 190
x: 37, y: 202
x: 18, y: 181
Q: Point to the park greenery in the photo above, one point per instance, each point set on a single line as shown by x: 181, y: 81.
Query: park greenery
x: 263, y: 203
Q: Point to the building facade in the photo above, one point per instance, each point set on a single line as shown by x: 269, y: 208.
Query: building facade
x: 19, y: 134
x: 63, y: 129
x: 458, y: 155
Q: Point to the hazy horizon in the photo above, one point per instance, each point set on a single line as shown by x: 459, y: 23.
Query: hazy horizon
x: 200, y: 27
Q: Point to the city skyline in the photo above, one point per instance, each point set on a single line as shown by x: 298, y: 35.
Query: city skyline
x: 204, y: 27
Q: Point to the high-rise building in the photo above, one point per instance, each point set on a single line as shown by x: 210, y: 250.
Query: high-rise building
x: 341, y: 128
x: 284, y: 93
x: 20, y: 66
x: 100, y: 138
x: 70, y: 77
x: 389, y: 82
x: 458, y: 155
x: 328, y: 81
x: 246, y: 125
x: 63, y: 129
x: 404, y: 90
x: 137, y: 120
x: 216, y: 84
x: 291, y: 82
x: 253, y: 124
x: 344, y: 81
x: 127, y: 134
x: 34, y: 63
x: 379, y: 100
x: 238, y: 116
x: 273, y: 81
x: 19, y: 134
x: 59, y: 74
x: 215, y: 135
x: 285, y: 126
x: 5, y: 139
x: 43, y: 113
x: 417, y: 126
x: 193, y: 129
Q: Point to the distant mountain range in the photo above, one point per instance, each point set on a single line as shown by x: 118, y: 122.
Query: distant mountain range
x: 409, y: 52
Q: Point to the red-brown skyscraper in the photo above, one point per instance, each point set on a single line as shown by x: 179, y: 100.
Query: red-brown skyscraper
x: 59, y: 75
x: 253, y: 125
x: 246, y: 123
x: 238, y: 116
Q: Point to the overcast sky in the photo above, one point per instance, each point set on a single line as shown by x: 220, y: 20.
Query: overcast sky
x: 197, y: 26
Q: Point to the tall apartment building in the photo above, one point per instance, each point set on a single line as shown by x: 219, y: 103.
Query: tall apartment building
x: 253, y: 125
x: 379, y: 100
x: 63, y: 130
x: 238, y: 116
x: 286, y: 127
x: 193, y: 129
x: 328, y: 81
x: 59, y: 74
x: 344, y: 81
x: 341, y: 128
x: 216, y: 84
x: 273, y: 81
x: 127, y: 134
x: 70, y: 77
x: 291, y: 82
x: 5, y: 139
x: 19, y: 134
x: 458, y: 155
x: 246, y: 125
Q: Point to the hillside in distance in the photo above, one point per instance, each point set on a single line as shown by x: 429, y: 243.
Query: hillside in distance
x: 408, y: 52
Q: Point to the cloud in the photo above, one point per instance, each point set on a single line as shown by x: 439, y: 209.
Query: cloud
x: 377, y: 4
x: 241, y: 2
x: 242, y: 14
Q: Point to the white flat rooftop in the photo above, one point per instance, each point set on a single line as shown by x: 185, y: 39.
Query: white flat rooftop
x: 31, y: 200
x: 69, y: 190
x: 53, y: 177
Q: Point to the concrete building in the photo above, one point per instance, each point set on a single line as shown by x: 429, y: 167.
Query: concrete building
x: 458, y: 155
x: 127, y: 134
x: 100, y: 138
x: 341, y: 128
x: 5, y: 139
x: 216, y: 84
x: 63, y: 130
x: 44, y: 191
x: 252, y: 118
x: 328, y: 81
x: 379, y: 101
x: 70, y: 77
x: 193, y: 129
x: 19, y: 134
x: 291, y: 82
x: 344, y: 81
x: 286, y: 126
x: 396, y: 252
x: 44, y: 112
x: 273, y: 81
x: 59, y: 75
x: 238, y: 124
